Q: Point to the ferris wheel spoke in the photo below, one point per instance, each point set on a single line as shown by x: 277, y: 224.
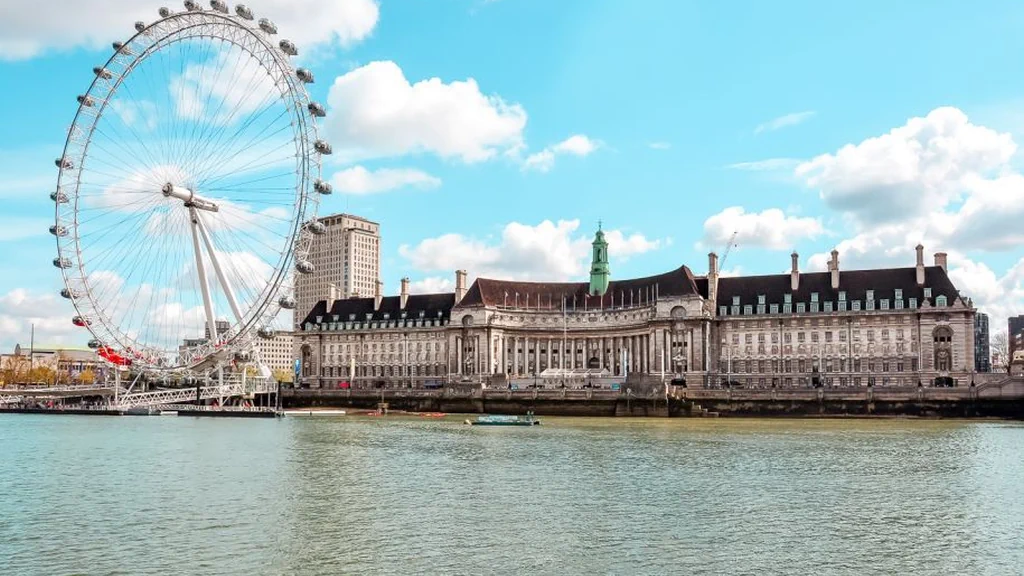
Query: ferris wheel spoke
x: 225, y: 152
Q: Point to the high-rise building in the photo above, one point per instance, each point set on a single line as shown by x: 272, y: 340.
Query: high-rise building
x: 982, y: 353
x: 276, y: 353
x: 1015, y: 326
x: 346, y: 257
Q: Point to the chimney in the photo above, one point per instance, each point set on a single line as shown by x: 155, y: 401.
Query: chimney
x: 378, y: 295
x: 404, y: 296
x: 940, y: 260
x: 460, y: 285
x: 713, y: 282
x: 920, y: 265
x: 833, y: 267
x: 794, y: 274
x: 332, y: 296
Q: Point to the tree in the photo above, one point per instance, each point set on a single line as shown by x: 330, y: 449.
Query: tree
x: 285, y: 376
x: 42, y: 374
x: 999, y: 344
x: 87, y: 377
x: 14, y: 369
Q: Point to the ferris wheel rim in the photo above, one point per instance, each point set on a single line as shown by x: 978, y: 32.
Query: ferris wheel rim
x: 308, y: 164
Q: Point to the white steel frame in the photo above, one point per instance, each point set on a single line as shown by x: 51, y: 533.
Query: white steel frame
x: 211, y: 355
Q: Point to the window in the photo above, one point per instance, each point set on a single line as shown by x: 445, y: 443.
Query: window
x: 814, y: 337
x: 735, y: 310
x: 723, y: 310
x: 940, y: 301
x: 774, y: 308
x: 927, y: 292
x: 899, y: 294
x: 870, y: 295
x: 913, y: 303
x: 828, y: 305
x: 748, y: 309
x: 869, y: 304
x: 748, y: 338
x: 760, y: 299
x: 842, y: 295
x: 735, y: 300
x: 801, y: 307
x: 885, y: 303
x: 856, y: 305
x: 814, y: 306
x: 828, y: 336
x: 799, y: 336
x: 899, y: 304
x: 787, y: 308
x: 842, y: 305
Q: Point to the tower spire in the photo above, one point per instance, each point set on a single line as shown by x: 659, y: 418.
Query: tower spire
x: 600, y: 274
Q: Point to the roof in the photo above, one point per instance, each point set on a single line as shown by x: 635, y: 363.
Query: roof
x: 549, y: 295
x: 856, y: 283
x: 432, y: 306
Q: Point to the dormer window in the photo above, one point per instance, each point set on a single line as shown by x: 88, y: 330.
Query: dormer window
x: 760, y: 299
x: 351, y: 317
x: 422, y: 313
x: 814, y: 296
x: 388, y: 316
x: 787, y: 299
x: 801, y: 307
x: 899, y: 294
x: 870, y: 295
x: 748, y: 309
x: 842, y: 295
x: 913, y: 303
x: 404, y: 314
x: 856, y: 305
x: 940, y: 301
x: 828, y: 305
x: 735, y: 300
x: 774, y: 308
x: 723, y: 310
x: 885, y: 303
x: 927, y: 292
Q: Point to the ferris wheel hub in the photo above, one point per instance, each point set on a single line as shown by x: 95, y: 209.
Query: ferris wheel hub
x: 189, y: 198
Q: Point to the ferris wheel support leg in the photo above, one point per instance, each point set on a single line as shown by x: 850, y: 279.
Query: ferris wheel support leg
x: 225, y: 284
x: 211, y: 322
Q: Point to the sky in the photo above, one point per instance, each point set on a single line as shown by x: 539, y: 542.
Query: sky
x: 494, y: 135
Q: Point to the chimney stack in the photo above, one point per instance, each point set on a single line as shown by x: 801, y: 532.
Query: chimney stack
x: 713, y: 282
x: 378, y: 295
x: 404, y: 296
x: 460, y: 285
x: 920, y: 265
x: 332, y: 296
x: 833, y: 267
x: 712, y: 265
x: 940, y: 260
x: 794, y: 274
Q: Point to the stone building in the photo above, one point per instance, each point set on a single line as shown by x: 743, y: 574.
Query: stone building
x: 885, y: 327
x: 345, y: 258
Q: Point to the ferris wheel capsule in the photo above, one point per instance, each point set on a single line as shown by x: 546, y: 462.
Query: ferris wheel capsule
x: 266, y: 333
x: 64, y: 163
x: 288, y: 48
x: 101, y: 72
x: 140, y: 26
x: 58, y: 230
x: 267, y: 26
x: 317, y: 227
x: 192, y: 6
x: 164, y: 12
x: 86, y: 101
x: 80, y: 321
x: 219, y: 6
x: 243, y: 12
x: 316, y: 109
x: 323, y: 187
x: 95, y: 344
x: 304, y: 267
x: 59, y: 197
x: 304, y: 75
x: 68, y: 294
x: 287, y: 302
x: 62, y: 263
x: 322, y: 147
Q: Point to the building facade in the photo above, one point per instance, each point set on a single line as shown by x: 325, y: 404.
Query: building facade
x: 982, y: 349
x: 1014, y: 335
x: 277, y: 353
x: 346, y: 257
x: 886, y: 327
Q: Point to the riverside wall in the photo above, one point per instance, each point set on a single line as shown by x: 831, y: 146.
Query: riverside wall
x: 1002, y: 401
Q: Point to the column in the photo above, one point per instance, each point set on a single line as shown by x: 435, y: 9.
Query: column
x: 458, y: 355
x: 515, y: 356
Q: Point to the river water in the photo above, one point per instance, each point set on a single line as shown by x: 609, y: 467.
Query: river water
x: 350, y: 495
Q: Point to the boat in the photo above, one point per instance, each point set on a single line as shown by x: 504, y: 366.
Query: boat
x: 497, y: 420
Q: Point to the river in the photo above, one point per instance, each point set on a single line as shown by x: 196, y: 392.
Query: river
x: 351, y: 495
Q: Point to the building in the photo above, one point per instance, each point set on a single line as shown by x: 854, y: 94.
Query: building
x: 982, y: 351
x: 885, y: 327
x: 68, y: 364
x: 345, y: 257
x: 1014, y: 328
x: 277, y: 353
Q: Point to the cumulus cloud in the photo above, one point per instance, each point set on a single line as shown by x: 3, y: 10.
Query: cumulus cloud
x: 359, y: 180
x: 938, y: 180
x: 791, y: 119
x: 575, y: 145
x: 432, y: 285
x: 310, y: 23
x: 771, y: 228
x: 546, y: 251
x: 20, y: 309
x: 914, y: 169
x: 375, y: 111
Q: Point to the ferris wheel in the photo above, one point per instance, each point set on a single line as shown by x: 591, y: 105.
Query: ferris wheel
x: 188, y: 191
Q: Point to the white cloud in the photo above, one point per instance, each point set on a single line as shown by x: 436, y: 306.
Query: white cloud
x: 917, y: 168
x: 548, y: 251
x: 374, y: 111
x: 940, y: 181
x: 13, y: 228
x: 575, y: 145
x: 766, y: 165
x: 432, y: 285
x: 21, y: 308
x: 94, y: 24
x: 783, y: 121
x: 771, y: 228
x: 359, y: 180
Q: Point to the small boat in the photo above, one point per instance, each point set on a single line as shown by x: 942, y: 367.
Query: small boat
x: 495, y: 420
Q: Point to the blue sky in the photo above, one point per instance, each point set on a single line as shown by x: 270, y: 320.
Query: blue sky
x: 692, y: 120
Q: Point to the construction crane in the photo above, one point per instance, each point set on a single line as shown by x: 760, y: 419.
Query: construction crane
x: 728, y: 248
